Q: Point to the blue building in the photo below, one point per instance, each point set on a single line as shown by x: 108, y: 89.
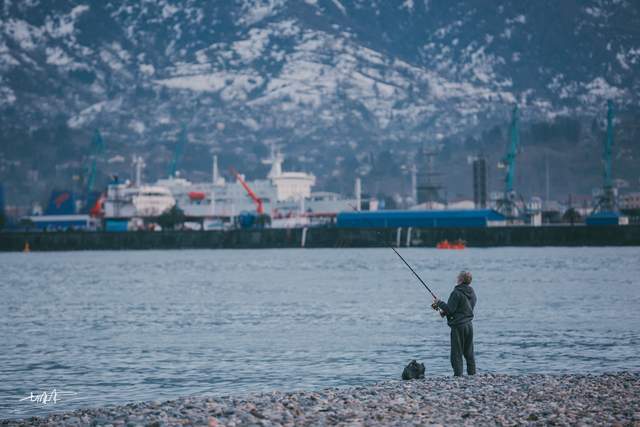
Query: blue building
x: 61, y: 203
x: 606, y: 218
x: 420, y: 219
x: 61, y: 215
x: 63, y: 222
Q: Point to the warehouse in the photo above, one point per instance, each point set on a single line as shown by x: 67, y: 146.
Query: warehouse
x: 420, y: 219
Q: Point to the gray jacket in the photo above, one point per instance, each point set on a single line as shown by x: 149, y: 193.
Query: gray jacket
x: 459, y: 307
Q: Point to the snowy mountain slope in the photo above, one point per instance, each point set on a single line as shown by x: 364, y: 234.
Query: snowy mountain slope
x: 310, y: 75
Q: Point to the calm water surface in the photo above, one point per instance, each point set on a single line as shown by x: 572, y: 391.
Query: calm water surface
x: 126, y: 326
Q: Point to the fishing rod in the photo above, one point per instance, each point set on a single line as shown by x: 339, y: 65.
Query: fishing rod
x: 412, y: 270
x: 434, y: 306
x: 401, y: 257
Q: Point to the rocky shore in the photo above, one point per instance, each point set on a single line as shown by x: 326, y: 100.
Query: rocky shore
x: 610, y: 399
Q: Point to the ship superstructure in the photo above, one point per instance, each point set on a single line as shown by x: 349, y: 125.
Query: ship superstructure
x: 129, y: 201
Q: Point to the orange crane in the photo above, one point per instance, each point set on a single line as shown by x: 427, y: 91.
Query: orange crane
x: 257, y: 200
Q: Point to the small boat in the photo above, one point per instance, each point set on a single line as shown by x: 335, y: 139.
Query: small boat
x: 445, y: 244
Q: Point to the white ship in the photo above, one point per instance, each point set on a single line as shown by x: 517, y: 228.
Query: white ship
x: 126, y: 201
x: 285, y: 196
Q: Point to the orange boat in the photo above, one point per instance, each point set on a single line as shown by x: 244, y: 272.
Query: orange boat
x: 458, y: 244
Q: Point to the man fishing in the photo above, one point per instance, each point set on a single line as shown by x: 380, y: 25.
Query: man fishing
x: 459, y: 312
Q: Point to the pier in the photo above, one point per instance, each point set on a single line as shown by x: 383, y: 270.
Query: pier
x: 323, y: 237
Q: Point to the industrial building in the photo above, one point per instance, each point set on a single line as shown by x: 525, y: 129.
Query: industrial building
x: 421, y: 219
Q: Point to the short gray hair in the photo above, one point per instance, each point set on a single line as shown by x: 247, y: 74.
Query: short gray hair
x: 466, y: 277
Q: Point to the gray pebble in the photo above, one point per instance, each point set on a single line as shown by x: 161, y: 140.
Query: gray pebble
x: 481, y: 400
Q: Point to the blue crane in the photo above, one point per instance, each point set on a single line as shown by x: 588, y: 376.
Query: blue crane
x: 510, y: 159
x: 607, y: 200
x: 177, y: 154
x: 608, y: 143
x: 93, y: 197
x: 605, y: 210
x: 97, y: 148
x: 508, y: 204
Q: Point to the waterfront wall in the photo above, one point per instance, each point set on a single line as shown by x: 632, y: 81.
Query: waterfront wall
x: 323, y: 238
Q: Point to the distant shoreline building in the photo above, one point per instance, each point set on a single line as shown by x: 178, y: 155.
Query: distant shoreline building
x: 480, y: 183
x: 428, y: 189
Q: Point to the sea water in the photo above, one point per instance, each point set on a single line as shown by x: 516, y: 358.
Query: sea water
x: 124, y: 326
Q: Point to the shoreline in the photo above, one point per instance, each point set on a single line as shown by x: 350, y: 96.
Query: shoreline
x: 534, y: 399
x: 329, y: 237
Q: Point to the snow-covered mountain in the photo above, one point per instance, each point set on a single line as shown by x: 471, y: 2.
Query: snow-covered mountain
x: 324, y: 79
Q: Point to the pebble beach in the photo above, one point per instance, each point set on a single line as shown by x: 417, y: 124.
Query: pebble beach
x: 485, y: 399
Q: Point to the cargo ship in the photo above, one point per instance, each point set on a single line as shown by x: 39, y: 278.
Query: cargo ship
x: 286, y: 197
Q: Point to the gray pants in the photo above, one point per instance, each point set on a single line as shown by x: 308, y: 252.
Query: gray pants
x: 462, y: 345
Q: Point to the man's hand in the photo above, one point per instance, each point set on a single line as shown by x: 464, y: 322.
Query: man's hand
x: 434, y: 305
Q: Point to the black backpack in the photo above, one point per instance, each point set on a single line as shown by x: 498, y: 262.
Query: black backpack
x: 413, y: 371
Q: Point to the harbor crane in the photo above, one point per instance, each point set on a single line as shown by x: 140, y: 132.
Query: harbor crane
x: 94, y: 199
x: 97, y: 148
x: 510, y: 205
x: 607, y: 200
x: 605, y: 211
x: 257, y: 200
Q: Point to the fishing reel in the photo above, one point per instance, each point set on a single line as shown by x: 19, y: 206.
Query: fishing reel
x: 434, y: 305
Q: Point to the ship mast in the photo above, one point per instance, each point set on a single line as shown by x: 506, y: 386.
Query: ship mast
x: 275, y: 161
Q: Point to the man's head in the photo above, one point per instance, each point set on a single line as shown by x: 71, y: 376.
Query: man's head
x: 464, y: 278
